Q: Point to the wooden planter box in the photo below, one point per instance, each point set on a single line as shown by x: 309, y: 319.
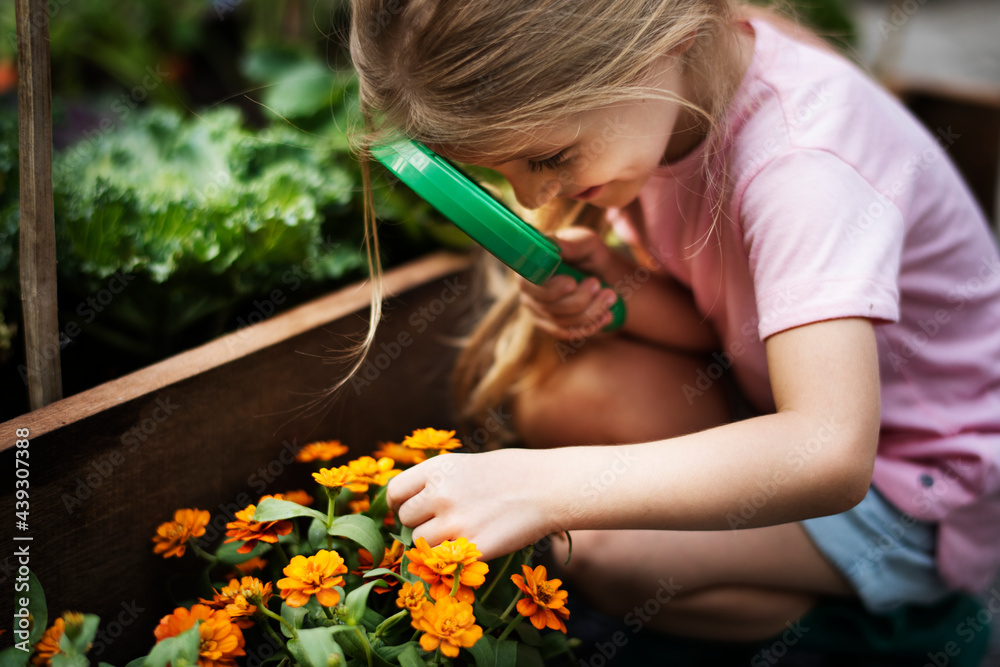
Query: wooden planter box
x: 215, y: 428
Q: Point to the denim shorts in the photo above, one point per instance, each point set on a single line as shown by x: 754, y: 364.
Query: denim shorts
x: 885, y: 554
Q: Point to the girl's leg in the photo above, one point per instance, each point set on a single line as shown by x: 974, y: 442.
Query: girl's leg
x: 731, y: 585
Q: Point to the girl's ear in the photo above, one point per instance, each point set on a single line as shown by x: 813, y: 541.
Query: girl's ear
x: 682, y: 48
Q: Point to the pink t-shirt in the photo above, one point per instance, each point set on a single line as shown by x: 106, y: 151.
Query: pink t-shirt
x: 839, y: 204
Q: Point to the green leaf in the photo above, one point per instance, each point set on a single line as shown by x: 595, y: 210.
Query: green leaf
x: 484, y: 651
x: 294, y: 616
x: 379, y: 506
x: 486, y: 618
x: 357, y: 600
x: 317, y: 534
x: 362, y: 530
x: 14, y: 657
x: 315, y: 647
x: 37, y: 609
x: 528, y: 634
x: 80, y: 643
x: 526, y: 656
x: 228, y: 555
x: 406, y: 536
x: 506, y: 653
x: 67, y: 660
x: 138, y: 662
x: 409, y: 657
x: 272, y: 509
x: 179, y: 651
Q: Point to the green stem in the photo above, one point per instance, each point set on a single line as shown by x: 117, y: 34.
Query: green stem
x: 267, y: 612
x: 364, y: 643
x: 513, y: 602
x: 329, y: 613
x: 499, y: 575
x: 209, y: 558
x: 457, y: 581
x: 278, y: 641
x: 331, y: 506
x: 385, y: 625
x: 509, y: 628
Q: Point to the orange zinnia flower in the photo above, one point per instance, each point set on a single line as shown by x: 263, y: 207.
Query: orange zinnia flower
x: 400, y: 454
x: 297, y: 496
x: 221, y: 639
x: 340, y: 478
x: 437, y: 566
x: 240, y: 599
x: 252, y: 565
x: 315, y: 575
x: 448, y: 623
x: 48, y: 645
x: 172, y: 537
x: 431, y: 438
x: 321, y: 451
x: 392, y: 559
x: 369, y: 471
x: 251, y: 532
x: 412, y: 597
x: 545, y: 605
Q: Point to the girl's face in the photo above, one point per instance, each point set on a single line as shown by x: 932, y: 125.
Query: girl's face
x: 606, y: 155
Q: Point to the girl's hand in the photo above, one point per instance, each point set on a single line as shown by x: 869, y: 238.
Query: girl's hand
x: 498, y: 500
x: 568, y: 309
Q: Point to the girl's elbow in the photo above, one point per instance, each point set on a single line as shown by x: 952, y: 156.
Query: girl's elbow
x: 852, y: 476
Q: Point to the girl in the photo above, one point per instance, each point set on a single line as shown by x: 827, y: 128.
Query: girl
x: 788, y: 220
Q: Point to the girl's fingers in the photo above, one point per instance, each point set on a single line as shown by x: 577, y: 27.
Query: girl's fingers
x: 415, y: 511
x: 404, y: 486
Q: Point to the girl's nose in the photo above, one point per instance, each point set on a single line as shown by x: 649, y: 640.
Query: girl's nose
x: 533, y: 190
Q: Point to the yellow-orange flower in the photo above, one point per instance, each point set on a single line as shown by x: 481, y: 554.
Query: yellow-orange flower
x: 431, y: 438
x: 48, y: 645
x: 297, y: 496
x: 315, y: 575
x: 448, y: 624
x: 254, y: 564
x: 400, y: 454
x: 392, y: 559
x: 239, y: 599
x: 545, y: 604
x: 172, y: 537
x: 362, y: 504
x: 412, y: 597
x: 369, y: 471
x: 340, y: 478
x: 221, y: 639
x: 251, y: 532
x: 325, y: 450
x: 437, y: 567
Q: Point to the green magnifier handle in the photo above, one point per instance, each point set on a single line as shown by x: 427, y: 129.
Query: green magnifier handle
x: 487, y: 221
x: 617, y: 309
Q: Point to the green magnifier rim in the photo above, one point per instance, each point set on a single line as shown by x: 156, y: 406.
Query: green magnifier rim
x: 487, y: 221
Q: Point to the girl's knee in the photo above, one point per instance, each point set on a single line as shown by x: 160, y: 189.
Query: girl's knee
x: 617, y: 390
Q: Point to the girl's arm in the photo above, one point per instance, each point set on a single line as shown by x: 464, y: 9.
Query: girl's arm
x: 658, y: 309
x: 812, y: 457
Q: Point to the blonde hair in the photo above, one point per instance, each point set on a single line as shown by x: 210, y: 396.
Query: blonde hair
x: 484, y: 78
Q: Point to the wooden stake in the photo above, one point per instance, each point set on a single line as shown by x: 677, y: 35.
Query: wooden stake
x: 38, y: 237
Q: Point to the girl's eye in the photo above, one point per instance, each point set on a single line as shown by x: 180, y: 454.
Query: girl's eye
x: 552, y: 162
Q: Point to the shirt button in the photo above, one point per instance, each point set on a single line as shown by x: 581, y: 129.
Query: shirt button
x: 926, y: 480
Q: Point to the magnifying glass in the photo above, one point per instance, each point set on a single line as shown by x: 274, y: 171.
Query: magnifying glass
x: 487, y: 221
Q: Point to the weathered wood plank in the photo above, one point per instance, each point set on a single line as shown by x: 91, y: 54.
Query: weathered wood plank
x: 37, y: 235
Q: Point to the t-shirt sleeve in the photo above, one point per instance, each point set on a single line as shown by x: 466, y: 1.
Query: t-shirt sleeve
x: 822, y: 243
